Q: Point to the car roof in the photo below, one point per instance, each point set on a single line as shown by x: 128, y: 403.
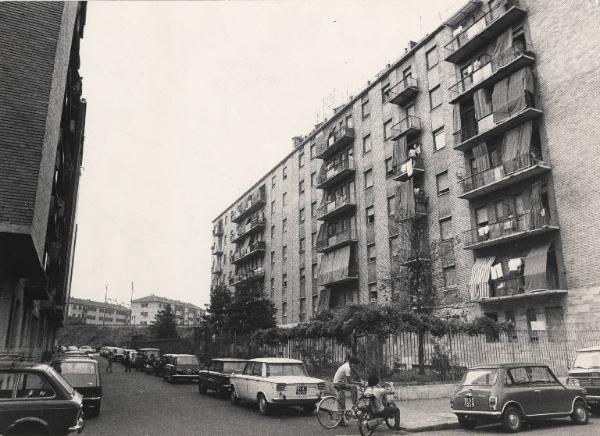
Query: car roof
x: 507, y: 365
x: 18, y: 364
x: 275, y: 360
x: 228, y: 359
x: 77, y: 359
x: 596, y: 348
x: 185, y: 355
x: 148, y: 349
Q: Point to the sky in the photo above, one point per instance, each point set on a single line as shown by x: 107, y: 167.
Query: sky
x: 190, y: 103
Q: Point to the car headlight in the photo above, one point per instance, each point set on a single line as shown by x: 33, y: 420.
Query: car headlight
x: 572, y: 381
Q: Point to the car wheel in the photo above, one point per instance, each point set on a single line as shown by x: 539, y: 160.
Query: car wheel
x: 263, y: 406
x: 201, y: 388
x: 28, y: 430
x: 580, y: 413
x: 512, y: 420
x: 233, y: 397
x: 466, y: 423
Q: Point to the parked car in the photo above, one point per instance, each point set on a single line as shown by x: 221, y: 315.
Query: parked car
x: 129, y: 353
x: 143, y: 357
x: 585, y: 372
x: 35, y: 399
x: 181, y: 367
x: 83, y: 374
x: 117, y: 354
x: 276, y: 381
x: 512, y: 393
x: 86, y: 349
x: 216, y: 376
x: 72, y: 348
x: 157, y: 367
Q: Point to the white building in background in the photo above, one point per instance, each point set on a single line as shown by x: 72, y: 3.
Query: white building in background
x: 144, y: 310
x: 98, y: 313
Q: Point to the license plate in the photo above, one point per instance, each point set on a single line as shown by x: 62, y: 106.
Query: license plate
x: 301, y: 390
x: 469, y: 402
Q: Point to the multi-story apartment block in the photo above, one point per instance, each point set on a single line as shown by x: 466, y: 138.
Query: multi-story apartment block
x: 42, y: 118
x: 98, y: 313
x: 145, y: 309
x: 483, y: 136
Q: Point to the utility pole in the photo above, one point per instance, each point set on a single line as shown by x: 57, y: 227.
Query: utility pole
x: 105, y: 301
x: 131, y: 305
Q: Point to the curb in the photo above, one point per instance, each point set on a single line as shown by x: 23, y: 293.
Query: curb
x: 432, y: 427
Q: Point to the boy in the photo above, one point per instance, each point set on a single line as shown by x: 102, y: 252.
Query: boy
x: 379, y: 410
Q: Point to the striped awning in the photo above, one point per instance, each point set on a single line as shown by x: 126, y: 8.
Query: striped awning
x: 479, y: 286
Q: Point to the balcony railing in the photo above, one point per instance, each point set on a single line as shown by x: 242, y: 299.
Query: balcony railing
x: 248, y: 277
x: 509, y: 172
x: 217, y: 249
x: 420, y: 210
x: 489, y: 70
x: 486, y: 128
x: 340, y: 205
x: 417, y: 253
x: 337, y: 139
x: 515, y: 284
x: 247, y: 229
x: 509, y: 228
x: 410, y: 168
x: 468, y: 41
x: 403, y: 91
x: 251, y: 204
x: 340, y: 239
x: 407, y: 126
x: 247, y: 252
x: 336, y: 173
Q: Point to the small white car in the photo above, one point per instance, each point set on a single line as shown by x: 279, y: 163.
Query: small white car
x: 272, y: 381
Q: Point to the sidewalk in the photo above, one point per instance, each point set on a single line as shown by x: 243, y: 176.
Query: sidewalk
x: 426, y: 415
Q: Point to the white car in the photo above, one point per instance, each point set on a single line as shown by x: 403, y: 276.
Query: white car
x: 86, y: 349
x: 276, y: 381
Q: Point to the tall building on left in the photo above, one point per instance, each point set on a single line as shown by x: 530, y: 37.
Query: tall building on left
x: 42, y: 120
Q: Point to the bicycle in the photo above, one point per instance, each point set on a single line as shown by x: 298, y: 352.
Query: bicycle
x: 367, y: 416
x: 329, y: 414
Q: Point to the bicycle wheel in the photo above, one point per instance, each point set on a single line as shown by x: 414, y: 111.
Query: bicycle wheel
x: 363, y: 424
x: 329, y: 414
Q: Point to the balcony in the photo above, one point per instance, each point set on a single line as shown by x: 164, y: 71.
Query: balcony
x: 521, y: 168
x: 218, y: 228
x: 244, y: 230
x: 341, y: 205
x: 404, y: 91
x: 512, y: 228
x: 338, y: 240
x: 420, y: 209
x: 484, y: 30
x: 491, y: 71
x: 217, y: 269
x: 217, y: 249
x: 253, y: 249
x: 486, y: 128
x: 248, y: 277
x: 407, y: 126
x: 513, y: 288
x: 251, y: 204
x: 336, y: 141
x: 410, y: 168
x: 331, y: 175
x: 415, y: 254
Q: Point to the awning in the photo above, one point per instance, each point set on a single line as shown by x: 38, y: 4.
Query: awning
x: 479, y: 286
x: 536, y: 262
x: 335, y: 266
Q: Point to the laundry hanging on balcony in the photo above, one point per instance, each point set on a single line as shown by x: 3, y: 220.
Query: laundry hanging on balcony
x: 335, y: 266
x: 479, y: 286
x: 501, y: 52
x: 516, y: 148
x: 512, y: 94
x: 536, y: 268
x: 406, y: 200
x: 399, y: 154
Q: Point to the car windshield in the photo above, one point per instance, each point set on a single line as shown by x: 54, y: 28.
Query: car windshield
x: 59, y: 378
x: 187, y: 360
x: 79, y: 374
x: 281, y: 369
x: 481, y: 377
x: 587, y: 360
x: 233, y: 366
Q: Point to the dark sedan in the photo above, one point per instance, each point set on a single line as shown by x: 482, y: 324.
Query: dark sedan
x: 512, y: 393
x: 181, y: 367
x: 83, y: 374
x: 216, y: 376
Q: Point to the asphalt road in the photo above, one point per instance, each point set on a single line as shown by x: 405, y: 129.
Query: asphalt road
x: 562, y: 427
x: 138, y: 404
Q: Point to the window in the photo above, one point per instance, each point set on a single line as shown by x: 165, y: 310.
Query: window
x: 372, y: 287
x: 284, y: 199
x: 272, y: 259
x: 302, y: 276
x: 272, y: 207
x: 313, y: 209
x: 301, y: 187
x: 407, y: 73
x: 34, y: 386
x: 284, y: 253
x: 313, y: 239
x: 510, y: 318
x: 313, y: 150
x: 315, y: 271
x: 371, y: 253
x: 389, y: 167
x: 284, y: 310
x: 432, y: 58
x: 492, y: 336
x: 365, y: 109
x: 302, y: 245
x: 439, y: 139
x: 391, y: 205
x: 367, y: 145
x: 313, y: 179
x: 531, y: 325
x: 370, y: 215
x: 273, y: 182
x: 368, y: 178
x: 301, y: 160
x: 284, y: 226
x: 385, y: 89
x: 435, y: 97
x: 449, y: 275
x: 302, y: 215
x: 442, y: 183
x: 272, y: 232
x: 303, y: 309
x: 284, y: 173
x: 387, y: 129
x: 481, y: 216
x: 541, y: 375
x: 446, y: 229
x: 284, y: 281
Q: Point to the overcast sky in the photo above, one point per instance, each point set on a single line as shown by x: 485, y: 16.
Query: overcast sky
x: 191, y: 103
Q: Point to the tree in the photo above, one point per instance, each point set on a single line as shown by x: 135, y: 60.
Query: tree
x: 220, y: 302
x: 165, y: 325
x: 249, y: 311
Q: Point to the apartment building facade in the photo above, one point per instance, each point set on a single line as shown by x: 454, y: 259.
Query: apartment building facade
x: 145, y: 309
x: 42, y: 121
x: 98, y: 312
x: 460, y: 153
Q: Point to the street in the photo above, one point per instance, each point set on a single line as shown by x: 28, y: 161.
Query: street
x: 139, y: 404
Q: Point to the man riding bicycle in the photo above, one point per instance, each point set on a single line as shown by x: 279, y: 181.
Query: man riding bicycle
x: 342, y: 381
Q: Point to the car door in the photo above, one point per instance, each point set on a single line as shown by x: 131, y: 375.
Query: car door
x: 550, y: 395
x: 518, y: 388
x: 213, y: 374
x: 254, y: 380
x: 242, y: 381
x: 7, y: 386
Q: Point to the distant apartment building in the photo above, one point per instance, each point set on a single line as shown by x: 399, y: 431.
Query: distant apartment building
x: 145, y: 309
x: 485, y: 135
x: 42, y: 119
x: 98, y: 313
